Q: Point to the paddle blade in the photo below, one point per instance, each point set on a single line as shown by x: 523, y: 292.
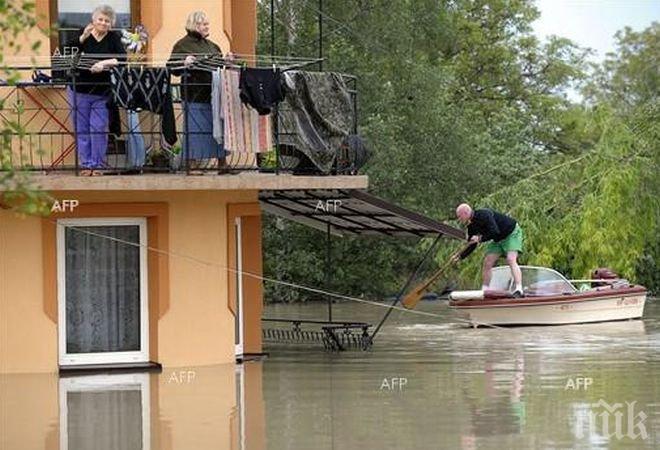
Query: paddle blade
x: 412, y: 298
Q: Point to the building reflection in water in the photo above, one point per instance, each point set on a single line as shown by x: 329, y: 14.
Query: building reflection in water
x: 214, y: 407
x: 105, y: 411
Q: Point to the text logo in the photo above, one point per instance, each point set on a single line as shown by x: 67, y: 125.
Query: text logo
x: 64, y: 205
x: 393, y: 384
x: 328, y: 205
x: 578, y: 383
x: 608, y: 421
x: 182, y: 377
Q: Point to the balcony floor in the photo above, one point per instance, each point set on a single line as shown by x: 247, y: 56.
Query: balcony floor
x: 183, y: 182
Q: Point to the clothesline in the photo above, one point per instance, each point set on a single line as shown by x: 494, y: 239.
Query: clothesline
x: 59, y: 62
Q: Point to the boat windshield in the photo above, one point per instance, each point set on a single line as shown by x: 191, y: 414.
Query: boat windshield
x: 536, y: 281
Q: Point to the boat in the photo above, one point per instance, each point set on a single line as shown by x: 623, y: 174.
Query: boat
x: 550, y: 299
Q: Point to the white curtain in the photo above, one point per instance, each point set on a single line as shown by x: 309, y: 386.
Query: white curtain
x: 102, y: 289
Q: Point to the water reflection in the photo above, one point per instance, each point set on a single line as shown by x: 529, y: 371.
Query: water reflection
x: 427, y: 384
x: 107, y: 412
x: 216, y: 407
x: 466, y: 389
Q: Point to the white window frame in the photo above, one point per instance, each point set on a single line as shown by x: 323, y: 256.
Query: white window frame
x: 91, y: 383
x: 73, y: 359
x: 241, y: 406
x: 238, y: 232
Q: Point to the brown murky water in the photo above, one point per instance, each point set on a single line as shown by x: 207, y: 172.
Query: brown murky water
x: 428, y: 383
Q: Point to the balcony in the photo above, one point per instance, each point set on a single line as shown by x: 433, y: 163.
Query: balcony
x: 41, y: 139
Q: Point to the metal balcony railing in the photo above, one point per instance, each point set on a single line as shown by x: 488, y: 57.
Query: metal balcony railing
x: 39, y: 135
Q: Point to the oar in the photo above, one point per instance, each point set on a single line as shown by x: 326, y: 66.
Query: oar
x: 414, y: 296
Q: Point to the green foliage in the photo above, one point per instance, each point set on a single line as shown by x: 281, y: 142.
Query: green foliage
x: 16, y: 192
x: 462, y: 102
x: 591, y: 211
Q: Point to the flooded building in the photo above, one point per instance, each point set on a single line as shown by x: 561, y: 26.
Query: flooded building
x: 143, y: 265
x: 141, y: 289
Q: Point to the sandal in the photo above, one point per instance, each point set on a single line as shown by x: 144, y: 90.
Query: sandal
x: 96, y: 173
x: 85, y: 173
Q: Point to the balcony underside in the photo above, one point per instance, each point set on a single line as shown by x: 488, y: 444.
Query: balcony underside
x: 183, y: 182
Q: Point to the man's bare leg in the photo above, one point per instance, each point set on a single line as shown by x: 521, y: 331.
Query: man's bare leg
x: 487, y: 272
x: 512, y: 261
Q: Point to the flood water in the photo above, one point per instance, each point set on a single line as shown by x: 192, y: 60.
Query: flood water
x: 428, y: 383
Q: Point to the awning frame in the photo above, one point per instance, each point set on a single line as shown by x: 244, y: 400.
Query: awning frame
x: 358, y: 214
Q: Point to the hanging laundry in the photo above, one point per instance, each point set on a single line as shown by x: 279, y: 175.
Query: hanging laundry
x: 265, y: 134
x: 245, y: 131
x: 232, y: 111
x: 261, y: 88
x: 317, y: 115
x: 147, y: 88
x: 216, y: 106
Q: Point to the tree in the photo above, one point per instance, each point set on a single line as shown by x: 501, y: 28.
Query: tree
x: 16, y: 191
x: 457, y: 99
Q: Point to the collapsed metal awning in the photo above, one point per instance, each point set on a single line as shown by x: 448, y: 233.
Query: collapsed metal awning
x: 353, y: 212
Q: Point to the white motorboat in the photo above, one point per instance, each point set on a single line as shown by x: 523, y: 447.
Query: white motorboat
x: 550, y: 299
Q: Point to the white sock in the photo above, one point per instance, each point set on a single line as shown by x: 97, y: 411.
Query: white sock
x: 484, y: 287
x: 519, y: 287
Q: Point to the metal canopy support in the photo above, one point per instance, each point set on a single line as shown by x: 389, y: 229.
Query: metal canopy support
x: 359, y: 213
x: 328, y: 268
x: 403, y: 290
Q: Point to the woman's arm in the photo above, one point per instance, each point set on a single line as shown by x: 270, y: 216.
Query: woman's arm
x: 178, y: 61
x: 117, y: 48
x: 86, y: 32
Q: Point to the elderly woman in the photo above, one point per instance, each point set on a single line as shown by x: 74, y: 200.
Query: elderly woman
x: 199, y: 146
x: 91, y: 91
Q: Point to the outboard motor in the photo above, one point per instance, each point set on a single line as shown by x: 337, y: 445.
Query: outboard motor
x: 606, y: 274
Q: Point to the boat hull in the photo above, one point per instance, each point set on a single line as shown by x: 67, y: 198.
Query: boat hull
x: 561, y: 311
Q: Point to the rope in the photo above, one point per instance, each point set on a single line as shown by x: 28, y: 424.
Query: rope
x: 261, y: 277
x: 299, y: 286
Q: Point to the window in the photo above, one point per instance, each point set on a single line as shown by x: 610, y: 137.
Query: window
x: 72, y: 15
x: 102, y: 291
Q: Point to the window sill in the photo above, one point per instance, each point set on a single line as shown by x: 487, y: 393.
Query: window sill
x: 89, y: 369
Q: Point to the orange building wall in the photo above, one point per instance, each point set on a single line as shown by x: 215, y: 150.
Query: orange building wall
x: 233, y: 24
x: 196, y: 324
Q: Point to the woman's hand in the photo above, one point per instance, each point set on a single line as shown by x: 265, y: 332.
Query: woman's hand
x: 190, y: 59
x: 100, y: 66
x: 86, y: 32
x: 97, y: 67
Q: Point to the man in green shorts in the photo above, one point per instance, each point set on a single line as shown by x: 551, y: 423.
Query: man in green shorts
x: 505, y: 235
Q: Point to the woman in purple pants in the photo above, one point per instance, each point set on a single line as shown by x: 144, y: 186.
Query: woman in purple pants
x: 90, y: 93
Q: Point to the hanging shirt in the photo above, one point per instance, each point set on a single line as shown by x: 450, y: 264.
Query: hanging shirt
x: 136, y: 88
x: 261, y: 88
x: 90, y: 52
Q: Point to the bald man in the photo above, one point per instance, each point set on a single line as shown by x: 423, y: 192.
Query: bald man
x: 485, y: 225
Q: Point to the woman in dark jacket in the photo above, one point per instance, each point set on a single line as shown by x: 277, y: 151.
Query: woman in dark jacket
x: 91, y: 95
x: 199, y: 146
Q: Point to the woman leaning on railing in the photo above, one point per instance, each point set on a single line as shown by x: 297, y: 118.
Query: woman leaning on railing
x: 90, y: 90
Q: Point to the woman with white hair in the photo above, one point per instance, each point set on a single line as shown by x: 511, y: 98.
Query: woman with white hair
x: 91, y: 91
x: 199, y: 146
